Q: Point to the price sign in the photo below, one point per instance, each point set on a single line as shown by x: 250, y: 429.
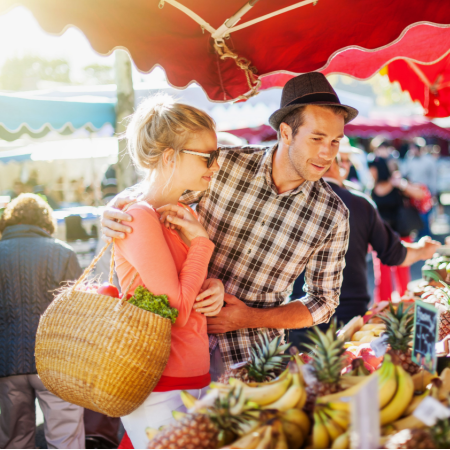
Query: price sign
x: 365, y: 415
x: 425, y: 335
x: 379, y: 346
x: 430, y: 410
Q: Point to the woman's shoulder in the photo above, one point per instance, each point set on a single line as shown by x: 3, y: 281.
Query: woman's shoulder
x: 142, y: 211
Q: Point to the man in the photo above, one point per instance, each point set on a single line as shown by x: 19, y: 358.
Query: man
x: 271, y: 217
x: 366, y: 227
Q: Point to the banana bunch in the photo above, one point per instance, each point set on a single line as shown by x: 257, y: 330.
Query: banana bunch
x: 269, y: 436
x: 284, y: 393
x: 368, y: 333
x: 331, y: 415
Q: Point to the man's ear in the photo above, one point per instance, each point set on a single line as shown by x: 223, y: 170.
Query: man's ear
x: 285, y: 133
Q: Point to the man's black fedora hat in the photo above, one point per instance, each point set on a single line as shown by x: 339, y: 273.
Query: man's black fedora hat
x: 307, y: 89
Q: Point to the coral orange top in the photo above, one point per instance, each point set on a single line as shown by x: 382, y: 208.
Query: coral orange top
x: 166, y: 265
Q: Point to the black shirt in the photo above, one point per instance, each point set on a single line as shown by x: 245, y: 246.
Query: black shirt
x: 389, y: 206
x: 366, y: 227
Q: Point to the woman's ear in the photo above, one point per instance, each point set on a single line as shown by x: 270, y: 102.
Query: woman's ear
x: 169, y: 156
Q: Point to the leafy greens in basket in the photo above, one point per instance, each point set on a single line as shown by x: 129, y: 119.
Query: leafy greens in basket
x: 157, y: 304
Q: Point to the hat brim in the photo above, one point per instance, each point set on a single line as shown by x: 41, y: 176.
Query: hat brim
x: 277, y: 117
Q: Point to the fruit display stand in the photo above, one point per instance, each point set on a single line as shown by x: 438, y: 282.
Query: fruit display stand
x: 287, y: 399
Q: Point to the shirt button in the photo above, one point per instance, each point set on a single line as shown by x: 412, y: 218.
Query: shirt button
x: 249, y: 251
x: 263, y: 223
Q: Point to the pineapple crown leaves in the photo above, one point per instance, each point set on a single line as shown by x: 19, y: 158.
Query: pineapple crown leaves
x: 399, y: 326
x: 327, y: 348
x: 440, y: 433
x: 231, y: 411
x: 266, y: 357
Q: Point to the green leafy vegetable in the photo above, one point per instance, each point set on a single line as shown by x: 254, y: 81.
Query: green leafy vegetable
x: 157, y: 304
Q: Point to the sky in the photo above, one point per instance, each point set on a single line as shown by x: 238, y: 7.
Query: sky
x: 20, y: 34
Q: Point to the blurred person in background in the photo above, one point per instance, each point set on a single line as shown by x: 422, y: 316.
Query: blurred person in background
x: 366, y: 228
x: 32, y: 266
x: 17, y: 189
x: 421, y: 168
x: 392, y: 195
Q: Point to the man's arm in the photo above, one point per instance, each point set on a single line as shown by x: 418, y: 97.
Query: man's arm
x: 237, y: 315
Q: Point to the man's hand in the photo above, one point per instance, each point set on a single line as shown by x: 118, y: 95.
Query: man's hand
x: 111, y: 217
x: 422, y: 250
x: 210, y: 300
x: 230, y: 318
x: 427, y: 247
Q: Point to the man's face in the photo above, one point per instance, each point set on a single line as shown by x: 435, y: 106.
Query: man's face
x: 316, y: 144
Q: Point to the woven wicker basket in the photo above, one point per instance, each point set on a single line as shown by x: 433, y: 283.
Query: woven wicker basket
x: 100, y: 352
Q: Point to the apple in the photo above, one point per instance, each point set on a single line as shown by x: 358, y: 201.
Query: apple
x: 369, y: 357
x: 109, y: 290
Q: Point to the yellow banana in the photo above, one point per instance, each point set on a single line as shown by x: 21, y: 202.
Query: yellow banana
x: 297, y: 417
x: 151, y: 433
x: 333, y: 429
x: 266, y: 438
x: 415, y: 402
x: 301, y: 403
x: 250, y: 440
x: 287, y: 401
x: 343, y: 441
x: 408, y: 422
x: 265, y: 395
x: 178, y: 415
x: 280, y: 377
x: 279, y: 436
x: 347, y: 381
x: 294, y: 434
x: 342, y: 418
x: 422, y: 379
x: 320, y: 436
x: 402, y: 398
x: 188, y: 399
x: 387, y: 386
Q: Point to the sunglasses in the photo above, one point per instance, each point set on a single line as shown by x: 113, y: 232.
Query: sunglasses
x: 210, y: 156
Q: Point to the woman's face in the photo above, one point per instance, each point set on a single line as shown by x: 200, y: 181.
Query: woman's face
x: 191, y: 171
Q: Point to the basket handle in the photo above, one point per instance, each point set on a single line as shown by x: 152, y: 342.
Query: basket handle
x: 111, y: 273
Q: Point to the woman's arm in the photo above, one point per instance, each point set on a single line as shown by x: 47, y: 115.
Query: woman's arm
x: 147, y: 251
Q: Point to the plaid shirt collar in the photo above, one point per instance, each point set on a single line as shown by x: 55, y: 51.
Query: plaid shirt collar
x: 265, y: 171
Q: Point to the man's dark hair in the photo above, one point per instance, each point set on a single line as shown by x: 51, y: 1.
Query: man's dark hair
x: 296, y: 118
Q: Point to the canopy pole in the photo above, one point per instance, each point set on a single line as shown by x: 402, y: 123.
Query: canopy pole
x: 224, y: 29
x: 269, y: 16
x: 205, y: 25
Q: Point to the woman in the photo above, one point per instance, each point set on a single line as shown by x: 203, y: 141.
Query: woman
x: 176, y: 147
x: 32, y: 266
x: 389, y: 193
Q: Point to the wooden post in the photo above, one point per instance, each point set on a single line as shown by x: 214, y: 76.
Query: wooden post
x: 126, y: 175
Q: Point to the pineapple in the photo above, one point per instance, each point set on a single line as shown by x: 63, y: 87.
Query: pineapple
x: 327, y: 360
x: 212, y: 427
x: 438, y: 436
x: 266, y: 362
x: 399, y: 331
x: 411, y: 438
x: 440, y: 432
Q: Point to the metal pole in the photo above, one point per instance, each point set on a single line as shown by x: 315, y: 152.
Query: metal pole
x: 126, y: 175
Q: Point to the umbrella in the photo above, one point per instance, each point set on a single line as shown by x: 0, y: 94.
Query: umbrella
x: 226, y: 46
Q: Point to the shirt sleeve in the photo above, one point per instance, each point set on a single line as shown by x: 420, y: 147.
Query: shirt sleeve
x: 147, y: 251
x: 385, y: 241
x: 323, y: 274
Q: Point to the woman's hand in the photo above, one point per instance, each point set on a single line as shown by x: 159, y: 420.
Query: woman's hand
x: 210, y: 300
x: 111, y: 217
x: 179, y: 218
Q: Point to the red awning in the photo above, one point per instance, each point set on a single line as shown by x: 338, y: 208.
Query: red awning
x: 302, y: 38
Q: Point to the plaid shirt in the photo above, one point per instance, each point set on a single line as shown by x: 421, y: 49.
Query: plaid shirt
x: 265, y: 240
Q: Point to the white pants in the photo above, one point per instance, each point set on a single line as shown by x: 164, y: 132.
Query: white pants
x: 155, y: 412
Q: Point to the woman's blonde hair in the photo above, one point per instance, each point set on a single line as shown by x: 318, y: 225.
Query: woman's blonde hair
x: 160, y: 123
